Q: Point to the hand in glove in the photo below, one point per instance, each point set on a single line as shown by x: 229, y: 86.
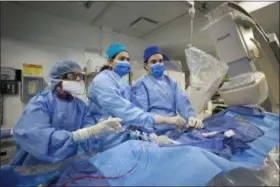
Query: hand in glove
x: 175, y: 120
x: 178, y: 121
x: 160, y: 139
x: 195, y: 123
x: 106, y: 126
x: 163, y: 140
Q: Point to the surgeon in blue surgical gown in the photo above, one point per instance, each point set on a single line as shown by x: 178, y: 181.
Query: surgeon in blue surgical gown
x: 55, y: 122
x: 159, y: 94
x: 110, y: 96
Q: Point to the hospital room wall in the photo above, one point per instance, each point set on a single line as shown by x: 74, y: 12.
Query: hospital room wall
x: 15, y: 52
x: 29, y: 36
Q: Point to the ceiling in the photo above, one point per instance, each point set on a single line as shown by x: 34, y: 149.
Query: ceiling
x: 174, y: 37
x: 115, y: 15
x: 168, y: 23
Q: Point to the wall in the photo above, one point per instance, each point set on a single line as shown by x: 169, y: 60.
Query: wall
x: 29, y: 36
x: 14, y: 53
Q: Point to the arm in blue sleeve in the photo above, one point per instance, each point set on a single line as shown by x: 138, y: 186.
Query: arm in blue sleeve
x: 35, y: 134
x: 183, y: 104
x: 88, y: 119
x: 139, y: 96
x: 108, y: 96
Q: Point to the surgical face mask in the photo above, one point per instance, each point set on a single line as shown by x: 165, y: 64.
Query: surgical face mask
x: 74, y: 87
x: 122, y: 68
x: 157, y: 70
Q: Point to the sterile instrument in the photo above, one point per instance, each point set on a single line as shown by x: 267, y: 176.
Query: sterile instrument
x: 135, y: 134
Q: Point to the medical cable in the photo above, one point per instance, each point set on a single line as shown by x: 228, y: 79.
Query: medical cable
x: 108, y: 177
x: 138, y: 136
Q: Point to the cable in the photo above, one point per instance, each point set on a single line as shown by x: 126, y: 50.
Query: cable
x: 2, y: 109
x: 107, y: 177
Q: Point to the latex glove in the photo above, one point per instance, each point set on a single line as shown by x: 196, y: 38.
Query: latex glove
x: 163, y: 140
x: 229, y: 133
x: 106, y: 126
x: 195, y: 123
x: 160, y: 139
x: 176, y: 120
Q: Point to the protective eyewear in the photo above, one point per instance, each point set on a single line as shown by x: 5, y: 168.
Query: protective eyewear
x: 73, y: 76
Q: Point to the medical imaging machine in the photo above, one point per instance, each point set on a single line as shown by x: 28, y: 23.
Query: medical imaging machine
x: 242, y: 44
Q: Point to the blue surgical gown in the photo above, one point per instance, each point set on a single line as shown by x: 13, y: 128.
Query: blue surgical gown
x: 161, y: 96
x: 43, y: 133
x: 110, y: 96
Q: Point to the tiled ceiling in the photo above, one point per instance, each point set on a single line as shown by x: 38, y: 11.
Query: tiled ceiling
x: 71, y: 10
x: 116, y: 18
x: 115, y: 15
x: 166, y: 11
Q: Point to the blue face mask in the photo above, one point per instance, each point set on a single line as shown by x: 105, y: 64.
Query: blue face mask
x: 122, y: 68
x: 157, y: 70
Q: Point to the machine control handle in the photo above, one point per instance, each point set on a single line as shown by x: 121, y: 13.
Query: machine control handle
x: 258, y: 46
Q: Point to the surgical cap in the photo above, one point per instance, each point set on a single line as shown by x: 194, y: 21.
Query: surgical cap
x: 152, y: 50
x: 63, y: 67
x: 114, y: 49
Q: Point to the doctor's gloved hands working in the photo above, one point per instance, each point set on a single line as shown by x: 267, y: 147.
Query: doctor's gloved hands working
x: 106, y: 126
x: 195, y: 123
x: 180, y: 122
x: 175, y: 120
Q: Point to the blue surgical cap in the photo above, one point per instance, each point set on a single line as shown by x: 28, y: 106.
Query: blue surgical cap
x: 114, y: 49
x: 63, y: 67
x: 152, y: 50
